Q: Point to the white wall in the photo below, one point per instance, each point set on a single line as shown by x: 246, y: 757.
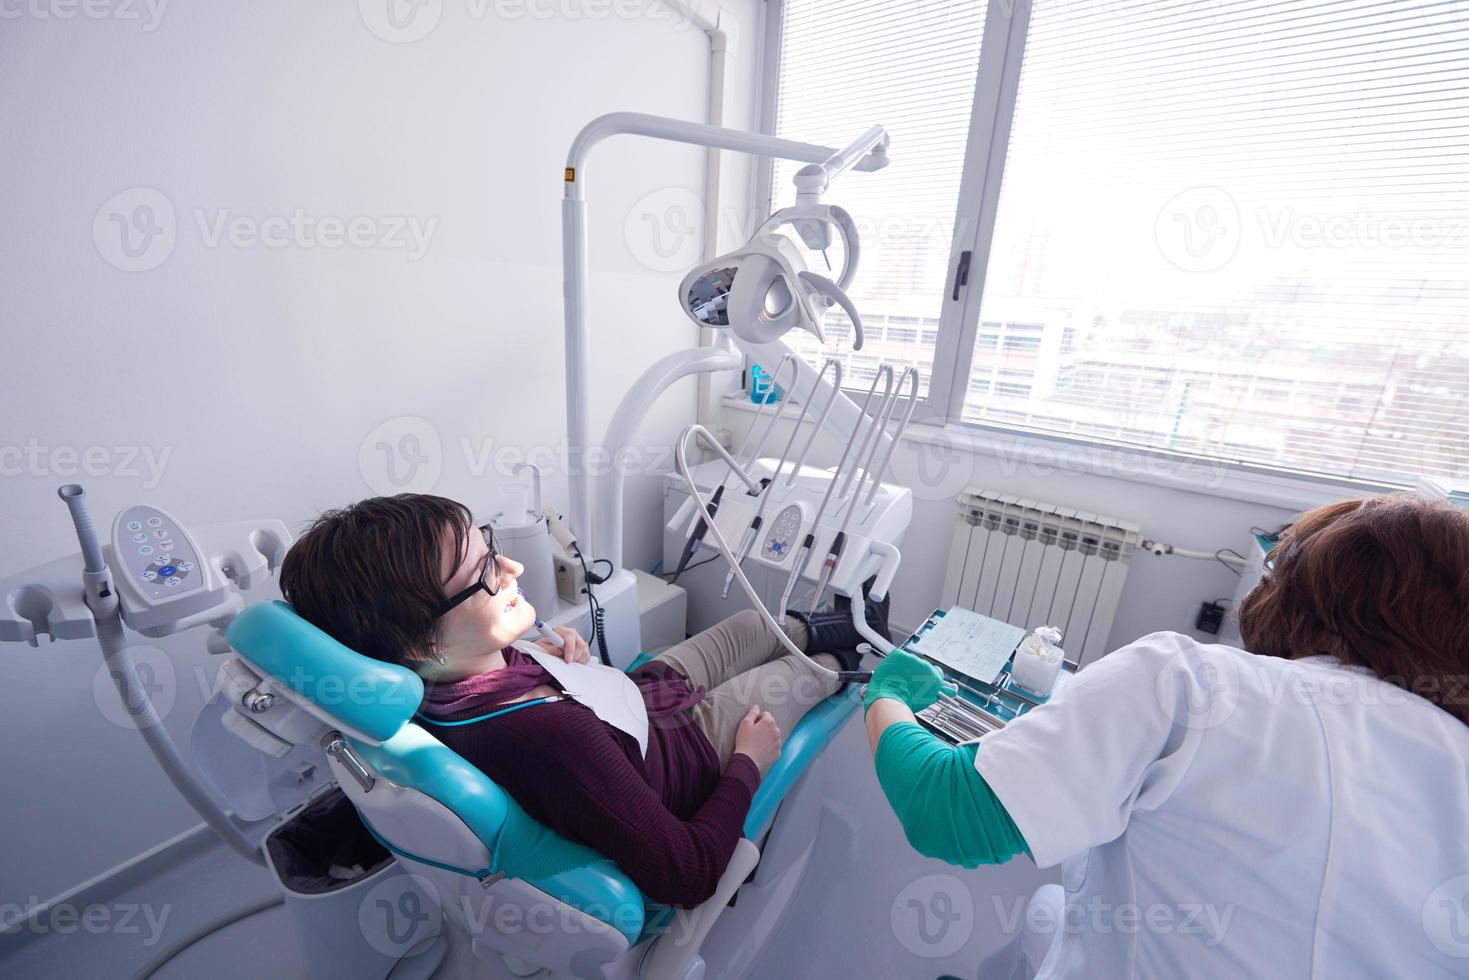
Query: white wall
x: 260, y: 380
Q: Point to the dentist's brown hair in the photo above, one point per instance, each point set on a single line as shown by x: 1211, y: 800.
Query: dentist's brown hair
x: 1380, y: 582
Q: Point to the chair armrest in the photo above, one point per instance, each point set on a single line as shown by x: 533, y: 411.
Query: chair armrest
x: 669, y: 955
x: 802, y: 747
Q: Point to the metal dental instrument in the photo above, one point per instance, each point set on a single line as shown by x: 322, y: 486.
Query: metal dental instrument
x: 887, y: 459
x: 803, y: 554
x: 752, y: 532
x: 834, y: 553
x: 691, y: 546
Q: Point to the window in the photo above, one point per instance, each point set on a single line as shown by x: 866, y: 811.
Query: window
x: 1269, y: 201
x: 1233, y: 230
x: 844, y: 66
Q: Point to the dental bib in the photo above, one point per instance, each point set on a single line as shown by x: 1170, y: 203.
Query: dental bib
x: 607, y: 691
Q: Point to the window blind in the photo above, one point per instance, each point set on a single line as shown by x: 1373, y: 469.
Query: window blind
x: 1238, y: 230
x: 845, y: 65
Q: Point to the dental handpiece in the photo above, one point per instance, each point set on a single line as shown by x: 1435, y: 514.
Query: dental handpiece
x: 870, y: 467
x: 743, y: 552
x: 803, y: 554
x: 550, y: 635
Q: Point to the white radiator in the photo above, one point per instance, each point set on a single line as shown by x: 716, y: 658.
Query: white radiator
x: 1035, y: 564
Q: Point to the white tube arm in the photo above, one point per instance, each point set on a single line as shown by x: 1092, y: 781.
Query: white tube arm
x: 811, y: 181
x: 606, y: 537
x: 699, y: 134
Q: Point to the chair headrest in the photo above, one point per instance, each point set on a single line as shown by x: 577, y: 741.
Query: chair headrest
x: 366, y: 698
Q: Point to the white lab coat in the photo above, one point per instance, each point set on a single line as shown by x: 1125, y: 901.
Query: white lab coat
x: 1218, y: 814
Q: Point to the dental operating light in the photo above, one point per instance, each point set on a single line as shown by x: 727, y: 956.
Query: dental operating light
x: 763, y: 290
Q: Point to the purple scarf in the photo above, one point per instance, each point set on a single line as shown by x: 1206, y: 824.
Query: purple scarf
x: 519, y: 675
x: 665, y: 691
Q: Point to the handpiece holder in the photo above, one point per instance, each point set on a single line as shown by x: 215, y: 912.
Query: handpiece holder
x: 45, y: 600
x: 158, y: 578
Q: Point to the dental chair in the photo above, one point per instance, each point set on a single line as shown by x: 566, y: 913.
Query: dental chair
x: 529, y: 899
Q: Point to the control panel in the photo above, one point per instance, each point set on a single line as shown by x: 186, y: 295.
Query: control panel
x: 160, y: 572
x: 155, y: 554
x: 783, y: 537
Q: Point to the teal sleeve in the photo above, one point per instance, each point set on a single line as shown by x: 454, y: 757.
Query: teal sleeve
x: 946, y: 808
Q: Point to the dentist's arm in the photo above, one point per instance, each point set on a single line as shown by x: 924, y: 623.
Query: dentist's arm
x: 945, y: 807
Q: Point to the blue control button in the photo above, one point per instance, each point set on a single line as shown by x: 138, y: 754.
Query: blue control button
x: 168, y: 570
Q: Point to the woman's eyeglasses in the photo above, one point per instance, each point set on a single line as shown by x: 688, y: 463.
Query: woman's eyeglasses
x: 489, y: 575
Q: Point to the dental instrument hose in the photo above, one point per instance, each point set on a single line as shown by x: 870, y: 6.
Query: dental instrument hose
x: 107, y: 614
x: 691, y: 546
x: 748, y: 541
x: 681, y: 463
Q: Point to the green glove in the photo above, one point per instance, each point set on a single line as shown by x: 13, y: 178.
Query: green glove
x: 905, y: 678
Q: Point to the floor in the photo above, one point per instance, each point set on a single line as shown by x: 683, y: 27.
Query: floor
x: 870, y: 908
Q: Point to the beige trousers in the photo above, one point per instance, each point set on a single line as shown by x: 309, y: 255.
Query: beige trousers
x: 742, y: 663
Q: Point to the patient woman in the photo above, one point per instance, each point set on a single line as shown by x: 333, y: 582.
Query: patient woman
x: 410, y: 580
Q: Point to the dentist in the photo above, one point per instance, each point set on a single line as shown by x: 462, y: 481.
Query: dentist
x: 1294, y: 811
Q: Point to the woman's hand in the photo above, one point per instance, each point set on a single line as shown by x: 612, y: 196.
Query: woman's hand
x: 576, y: 650
x: 759, y: 738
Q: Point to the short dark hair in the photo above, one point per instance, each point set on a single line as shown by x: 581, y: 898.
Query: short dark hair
x: 1381, y: 582
x: 368, y: 573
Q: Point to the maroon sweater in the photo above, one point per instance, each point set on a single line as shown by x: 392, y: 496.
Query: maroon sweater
x: 669, y: 820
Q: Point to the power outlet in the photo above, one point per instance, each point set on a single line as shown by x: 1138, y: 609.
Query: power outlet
x: 1210, y: 617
